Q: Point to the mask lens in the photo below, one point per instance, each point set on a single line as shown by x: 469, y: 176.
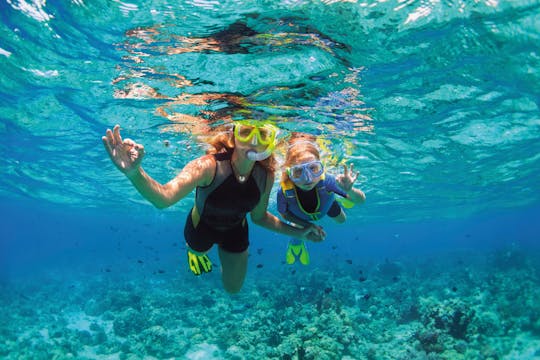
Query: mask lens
x: 306, y: 172
x: 296, y: 172
x: 266, y: 135
x: 244, y: 132
x: 315, y: 168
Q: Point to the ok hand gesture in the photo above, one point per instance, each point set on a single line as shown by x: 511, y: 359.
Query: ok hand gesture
x: 125, y: 154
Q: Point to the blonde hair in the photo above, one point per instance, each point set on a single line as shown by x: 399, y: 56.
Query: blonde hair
x: 299, y: 144
x: 223, y: 141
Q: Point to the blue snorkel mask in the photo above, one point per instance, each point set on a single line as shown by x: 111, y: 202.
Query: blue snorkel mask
x: 305, y: 173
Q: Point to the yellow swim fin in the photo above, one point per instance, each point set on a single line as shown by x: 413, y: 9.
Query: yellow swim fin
x: 198, y: 262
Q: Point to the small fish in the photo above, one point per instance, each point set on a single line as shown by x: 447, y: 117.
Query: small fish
x: 349, y: 261
x: 366, y: 297
x: 259, y: 251
x: 161, y: 271
x: 362, y: 278
x: 107, y: 270
x: 259, y: 266
x: 334, y: 247
x: 395, y: 279
x: 454, y: 289
x: 328, y: 290
x: 140, y: 261
x: 293, y: 272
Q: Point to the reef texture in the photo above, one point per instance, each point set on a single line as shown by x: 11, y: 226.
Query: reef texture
x: 460, y: 306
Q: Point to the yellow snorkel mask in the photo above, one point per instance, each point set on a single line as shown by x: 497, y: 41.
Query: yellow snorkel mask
x: 255, y: 133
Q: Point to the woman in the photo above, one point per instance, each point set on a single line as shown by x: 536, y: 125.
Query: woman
x: 307, y: 192
x: 234, y: 178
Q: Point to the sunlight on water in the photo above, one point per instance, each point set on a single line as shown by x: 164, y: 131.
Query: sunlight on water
x: 435, y: 102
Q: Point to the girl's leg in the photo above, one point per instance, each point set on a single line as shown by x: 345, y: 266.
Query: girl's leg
x: 233, y: 269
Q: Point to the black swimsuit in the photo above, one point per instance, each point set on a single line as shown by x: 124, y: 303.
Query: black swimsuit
x: 223, y: 206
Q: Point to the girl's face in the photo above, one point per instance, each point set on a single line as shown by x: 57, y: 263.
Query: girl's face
x: 306, y: 171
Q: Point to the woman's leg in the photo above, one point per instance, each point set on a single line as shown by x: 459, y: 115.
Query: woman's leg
x: 233, y: 269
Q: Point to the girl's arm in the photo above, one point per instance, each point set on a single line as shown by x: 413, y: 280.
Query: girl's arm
x: 346, y: 181
x: 357, y: 196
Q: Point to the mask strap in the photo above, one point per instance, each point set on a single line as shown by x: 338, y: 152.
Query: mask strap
x: 304, y: 142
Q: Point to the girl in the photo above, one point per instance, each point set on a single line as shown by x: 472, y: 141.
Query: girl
x: 307, y: 192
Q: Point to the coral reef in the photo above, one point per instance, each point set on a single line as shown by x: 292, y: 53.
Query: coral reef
x: 461, y: 308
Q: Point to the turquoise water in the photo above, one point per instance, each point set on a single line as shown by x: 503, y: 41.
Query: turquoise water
x: 436, y: 104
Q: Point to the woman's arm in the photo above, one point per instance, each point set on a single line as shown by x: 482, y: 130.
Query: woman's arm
x: 261, y: 217
x: 295, y: 220
x: 127, y: 156
x: 198, y: 172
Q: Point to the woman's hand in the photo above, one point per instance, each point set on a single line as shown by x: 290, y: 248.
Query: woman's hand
x: 347, y: 179
x: 314, y: 233
x: 127, y: 155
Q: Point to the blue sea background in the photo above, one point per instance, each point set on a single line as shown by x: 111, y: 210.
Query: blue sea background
x: 435, y: 103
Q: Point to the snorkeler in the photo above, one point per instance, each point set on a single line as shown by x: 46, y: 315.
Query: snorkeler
x: 307, y: 192
x: 233, y: 179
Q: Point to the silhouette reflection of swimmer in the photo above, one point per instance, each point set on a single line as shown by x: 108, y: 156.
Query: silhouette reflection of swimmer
x: 237, y: 38
x: 211, y: 108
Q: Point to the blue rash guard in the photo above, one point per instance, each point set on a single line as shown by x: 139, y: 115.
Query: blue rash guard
x: 289, y: 199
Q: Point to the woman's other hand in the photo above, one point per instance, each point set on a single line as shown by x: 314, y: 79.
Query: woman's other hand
x: 315, y: 233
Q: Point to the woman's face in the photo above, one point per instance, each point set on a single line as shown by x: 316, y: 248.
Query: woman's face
x: 304, y: 158
x: 244, y: 147
x: 256, y: 138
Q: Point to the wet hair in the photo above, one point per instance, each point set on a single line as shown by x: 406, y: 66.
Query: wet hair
x: 299, y: 144
x: 223, y: 141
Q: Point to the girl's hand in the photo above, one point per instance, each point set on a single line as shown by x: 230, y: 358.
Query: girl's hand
x: 347, y: 179
x: 126, y: 154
